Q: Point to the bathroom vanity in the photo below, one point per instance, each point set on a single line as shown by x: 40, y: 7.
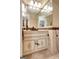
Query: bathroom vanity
x: 34, y: 41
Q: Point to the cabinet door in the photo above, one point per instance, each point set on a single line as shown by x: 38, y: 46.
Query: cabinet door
x: 39, y: 44
x: 28, y: 46
x: 42, y: 43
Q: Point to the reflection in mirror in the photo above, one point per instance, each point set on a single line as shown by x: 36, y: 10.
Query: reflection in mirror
x: 37, y: 13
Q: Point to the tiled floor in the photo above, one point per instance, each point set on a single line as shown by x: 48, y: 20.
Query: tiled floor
x: 54, y: 57
x: 50, y: 57
x: 42, y: 55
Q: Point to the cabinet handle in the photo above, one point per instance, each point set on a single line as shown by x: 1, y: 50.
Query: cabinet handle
x: 37, y: 44
x: 56, y: 35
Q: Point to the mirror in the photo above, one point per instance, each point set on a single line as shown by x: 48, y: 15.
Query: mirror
x: 37, y: 13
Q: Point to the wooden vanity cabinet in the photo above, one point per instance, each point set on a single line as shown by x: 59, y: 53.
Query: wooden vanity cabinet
x: 34, y: 41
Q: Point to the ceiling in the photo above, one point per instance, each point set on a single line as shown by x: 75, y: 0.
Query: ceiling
x: 43, y: 7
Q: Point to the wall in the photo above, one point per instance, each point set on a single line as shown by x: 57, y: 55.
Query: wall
x: 55, y: 21
x: 21, y: 37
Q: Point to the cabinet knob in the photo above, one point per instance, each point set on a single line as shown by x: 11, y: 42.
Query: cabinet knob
x: 56, y: 35
x: 37, y: 44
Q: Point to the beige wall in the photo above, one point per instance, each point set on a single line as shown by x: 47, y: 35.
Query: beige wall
x: 55, y: 13
x: 21, y: 37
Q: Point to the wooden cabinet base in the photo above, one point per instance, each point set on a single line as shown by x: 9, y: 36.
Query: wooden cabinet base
x: 34, y: 41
